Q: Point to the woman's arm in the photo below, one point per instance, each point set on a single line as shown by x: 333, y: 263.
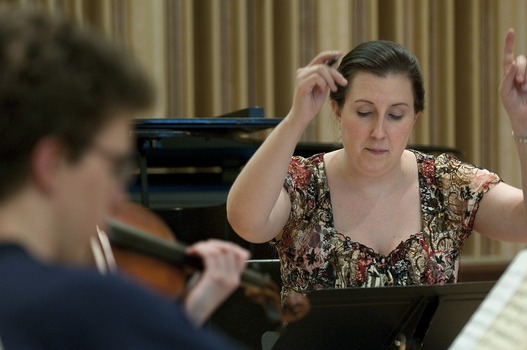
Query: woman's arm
x: 257, y: 205
x: 503, y: 212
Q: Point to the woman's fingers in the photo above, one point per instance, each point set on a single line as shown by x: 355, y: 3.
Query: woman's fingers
x: 320, y: 75
x: 325, y: 57
x: 508, y: 50
x: 521, y: 62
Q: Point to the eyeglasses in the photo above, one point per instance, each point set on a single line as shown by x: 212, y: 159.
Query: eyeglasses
x: 123, y: 165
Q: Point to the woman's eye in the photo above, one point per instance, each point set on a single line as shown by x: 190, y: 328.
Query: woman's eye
x: 364, y: 114
x: 396, y: 117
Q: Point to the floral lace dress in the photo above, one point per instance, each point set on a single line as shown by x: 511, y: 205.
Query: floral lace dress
x: 315, y: 256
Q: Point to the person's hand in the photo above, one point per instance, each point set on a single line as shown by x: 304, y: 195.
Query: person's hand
x: 223, y: 264
x: 313, y: 83
x: 513, y: 88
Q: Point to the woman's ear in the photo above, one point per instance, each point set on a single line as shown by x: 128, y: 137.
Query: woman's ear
x: 47, y: 158
x: 335, y: 108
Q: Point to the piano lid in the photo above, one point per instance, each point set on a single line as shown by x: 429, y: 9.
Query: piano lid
x: 242, y: 121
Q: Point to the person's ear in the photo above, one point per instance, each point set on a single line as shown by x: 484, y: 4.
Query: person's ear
x: 335, y: 108
x: 48, y: 157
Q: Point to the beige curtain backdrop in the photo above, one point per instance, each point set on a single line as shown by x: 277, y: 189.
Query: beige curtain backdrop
x: 210, y: 57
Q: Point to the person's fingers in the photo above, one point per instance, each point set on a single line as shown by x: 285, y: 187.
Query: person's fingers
x: 507, y: 83
x: 220, y: 255
x: 319, y: 76
x: 508, y: 50
x: 326, y: 57
x: 521, y: 63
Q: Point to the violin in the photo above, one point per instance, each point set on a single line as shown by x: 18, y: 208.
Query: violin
x: 165, y: 279
x: 141, y: 245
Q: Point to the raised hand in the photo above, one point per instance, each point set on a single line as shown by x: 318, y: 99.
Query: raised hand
x: 313, y: 83
x: 513, y: 88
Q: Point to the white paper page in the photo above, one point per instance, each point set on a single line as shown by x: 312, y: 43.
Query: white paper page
x: 500, y: 322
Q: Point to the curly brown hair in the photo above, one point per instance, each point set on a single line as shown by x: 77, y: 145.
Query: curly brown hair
x: 58, y: 79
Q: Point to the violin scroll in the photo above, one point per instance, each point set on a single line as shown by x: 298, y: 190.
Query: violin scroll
x: 293, y: 309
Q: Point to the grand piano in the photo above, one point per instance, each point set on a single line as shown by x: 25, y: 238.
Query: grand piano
x: 187, y: 165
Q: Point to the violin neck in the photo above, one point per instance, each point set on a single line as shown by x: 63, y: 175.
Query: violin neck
x: 131, y: 238
x: 128, y: 237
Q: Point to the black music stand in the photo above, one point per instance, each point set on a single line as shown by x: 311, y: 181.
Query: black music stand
x: 425, y: 317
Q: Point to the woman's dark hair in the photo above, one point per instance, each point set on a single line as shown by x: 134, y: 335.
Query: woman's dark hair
x: 381, y: 57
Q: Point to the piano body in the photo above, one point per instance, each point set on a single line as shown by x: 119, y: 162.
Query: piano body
x: 187, y: 165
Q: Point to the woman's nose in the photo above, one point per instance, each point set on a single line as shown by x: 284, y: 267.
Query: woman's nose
x: 378, y: 128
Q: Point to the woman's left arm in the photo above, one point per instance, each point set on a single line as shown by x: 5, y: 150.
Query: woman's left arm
x: 503, y: 211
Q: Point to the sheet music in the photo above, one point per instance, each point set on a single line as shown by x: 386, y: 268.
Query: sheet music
x: 500, y: 322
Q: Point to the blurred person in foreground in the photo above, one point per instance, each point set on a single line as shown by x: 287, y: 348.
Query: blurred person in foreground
x: 66, y: 98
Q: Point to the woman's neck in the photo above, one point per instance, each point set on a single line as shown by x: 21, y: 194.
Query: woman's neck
x: 368, y: 186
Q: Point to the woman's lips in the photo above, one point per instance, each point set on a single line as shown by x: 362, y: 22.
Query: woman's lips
x: 376, y: 150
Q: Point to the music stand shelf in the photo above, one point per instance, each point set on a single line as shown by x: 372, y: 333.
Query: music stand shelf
x: 429, y: 317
